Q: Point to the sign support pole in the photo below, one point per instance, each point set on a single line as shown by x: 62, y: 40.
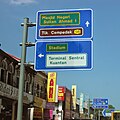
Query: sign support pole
x: 88, y: 108
x: 99, y: 115
x: 94, y: 116
x: 22, y: 70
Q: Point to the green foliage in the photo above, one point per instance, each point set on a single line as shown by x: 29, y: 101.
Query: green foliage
x: 111, y: 107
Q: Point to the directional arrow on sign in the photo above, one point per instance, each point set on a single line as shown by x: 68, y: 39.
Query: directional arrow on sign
x: 41, y: 55
x: 104, y: 112
x: 107, y: 112
x: 87, y: 23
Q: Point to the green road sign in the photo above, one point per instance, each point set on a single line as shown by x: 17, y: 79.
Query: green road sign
x: 56, y: 47
x: 59, y: 19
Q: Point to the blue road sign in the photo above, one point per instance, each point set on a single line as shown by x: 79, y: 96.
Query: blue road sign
x: 76, y: 23
x: 107, y: 112
x: 104, y: 112
x: 100, y: 106
x: 63, y: 55
x: 100, y: 103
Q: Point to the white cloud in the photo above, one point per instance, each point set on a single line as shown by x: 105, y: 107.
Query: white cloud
x: 19, y: 2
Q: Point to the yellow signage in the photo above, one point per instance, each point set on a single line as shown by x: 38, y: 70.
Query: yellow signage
x: 74, y: 96
x: 39, y: 102
x: 51, y: 87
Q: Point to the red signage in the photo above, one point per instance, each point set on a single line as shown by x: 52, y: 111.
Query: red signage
x: 54, y: 32
x: 61, y: 91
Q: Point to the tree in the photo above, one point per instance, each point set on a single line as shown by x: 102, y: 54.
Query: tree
x: 111, y: 107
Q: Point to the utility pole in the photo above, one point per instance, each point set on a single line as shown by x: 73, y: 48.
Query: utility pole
x: 24, y: 45
x: 22, y: 70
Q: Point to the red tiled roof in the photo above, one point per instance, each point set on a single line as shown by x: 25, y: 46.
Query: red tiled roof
x: 16, y: 58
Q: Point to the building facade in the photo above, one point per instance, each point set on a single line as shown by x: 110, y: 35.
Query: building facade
x: 34, y: 87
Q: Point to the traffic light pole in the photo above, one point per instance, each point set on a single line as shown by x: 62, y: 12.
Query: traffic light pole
x: 22, y: 70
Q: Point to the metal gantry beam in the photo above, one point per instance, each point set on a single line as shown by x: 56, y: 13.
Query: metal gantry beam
x: 30, y: 24
x: 28, y: 44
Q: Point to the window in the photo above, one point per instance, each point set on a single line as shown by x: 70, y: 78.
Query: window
x: 3, y: 75
x: 10, y: 79
x: 3, y: 71
x: 27, y: 87
x: 28, y: 83
x: 17, y: 82
x: 10, y: 74
x: 38, y: 90
x: 17, y: 76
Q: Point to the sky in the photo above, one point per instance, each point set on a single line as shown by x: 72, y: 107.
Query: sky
x: 103, y: 81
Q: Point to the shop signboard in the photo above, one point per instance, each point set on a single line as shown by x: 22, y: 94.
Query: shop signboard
x: 51, y: 87
x: 61, y: 91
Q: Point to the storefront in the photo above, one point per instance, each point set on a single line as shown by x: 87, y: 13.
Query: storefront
x: 38, y: 114
x: 6, y: 109
x: 48, y: 111
x: 8, y: 98
x: 8, y: 102
x: 39, y: 105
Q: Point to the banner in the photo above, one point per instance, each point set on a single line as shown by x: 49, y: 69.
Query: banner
x: 51, y: 87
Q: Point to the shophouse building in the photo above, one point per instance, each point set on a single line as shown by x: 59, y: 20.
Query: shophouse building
x: 34, y: 88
